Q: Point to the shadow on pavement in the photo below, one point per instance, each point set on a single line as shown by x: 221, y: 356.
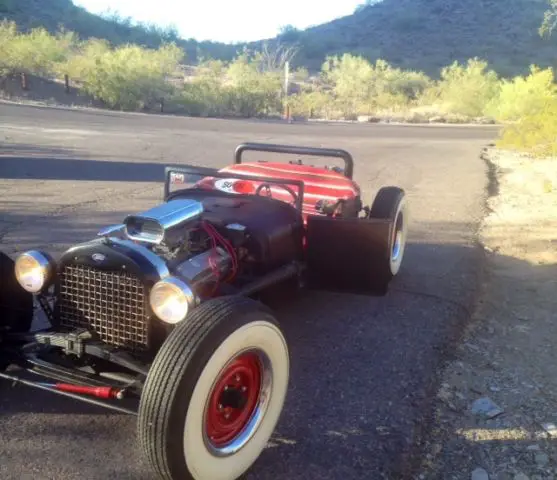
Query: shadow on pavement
x: 27, y: 162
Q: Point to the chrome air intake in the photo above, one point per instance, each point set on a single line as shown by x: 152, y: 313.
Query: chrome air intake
x: 156, y: 225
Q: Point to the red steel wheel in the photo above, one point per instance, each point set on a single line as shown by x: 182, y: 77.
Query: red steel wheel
x: 234, y: 399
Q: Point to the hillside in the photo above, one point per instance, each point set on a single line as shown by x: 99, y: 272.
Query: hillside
x: 423, y: 35
x: 429, y: 34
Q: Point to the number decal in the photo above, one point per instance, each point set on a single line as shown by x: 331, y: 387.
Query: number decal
x: 226, y: 185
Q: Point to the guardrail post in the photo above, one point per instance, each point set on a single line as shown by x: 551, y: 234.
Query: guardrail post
x: 67, y: 83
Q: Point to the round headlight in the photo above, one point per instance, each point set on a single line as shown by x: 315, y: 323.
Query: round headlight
x: 170, y: 300
x: 33, y: 271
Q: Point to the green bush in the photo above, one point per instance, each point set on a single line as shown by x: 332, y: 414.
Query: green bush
x: 236, y: 89
x: 535, y: 133
x: 205, y: 95
x: 312, y: 104
x: 362, y: 88
x: 127, y: 77
x: 37, y: 52
x: 464, y: 89
x: 251, y: 91
x: 523, y: 96
x: 351, y: 79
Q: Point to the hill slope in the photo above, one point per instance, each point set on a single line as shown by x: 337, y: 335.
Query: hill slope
x: 430, y: 34
x: 423, y: 35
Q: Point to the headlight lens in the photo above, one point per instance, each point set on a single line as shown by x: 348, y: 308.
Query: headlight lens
x: 171, y: 299
x: 33, y: 271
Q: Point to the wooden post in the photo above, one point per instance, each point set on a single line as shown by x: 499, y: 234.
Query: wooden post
x: 286, y: 81
x: 67, y: 83
x: 24, y: 82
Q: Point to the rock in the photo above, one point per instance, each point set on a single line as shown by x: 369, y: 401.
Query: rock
x: 535, y: 448
x: 485, y: 407
x: 484, y: 121
x: 479, y: 474
x: 438, y: 119
x: 542, y: 459
x: 367, y: 119
x: 521, y: 476
x: 550, y: 428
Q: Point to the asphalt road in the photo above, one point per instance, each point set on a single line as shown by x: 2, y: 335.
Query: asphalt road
x: 362, y: 368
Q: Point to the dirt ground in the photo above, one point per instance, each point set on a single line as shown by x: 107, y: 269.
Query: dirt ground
x: 496, y: 415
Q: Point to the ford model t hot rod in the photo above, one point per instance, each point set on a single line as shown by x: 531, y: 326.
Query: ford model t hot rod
x: 163, y: 316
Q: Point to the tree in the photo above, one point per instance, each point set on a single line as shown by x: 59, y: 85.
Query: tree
x: 273, y: 57
x: 289, y: 34
x: 549, y: 20
x: 366, y: 4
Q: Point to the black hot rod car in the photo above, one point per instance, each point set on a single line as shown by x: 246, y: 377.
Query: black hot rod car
x: 160, y: 316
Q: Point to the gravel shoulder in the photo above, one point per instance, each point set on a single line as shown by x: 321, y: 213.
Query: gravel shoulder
x: 496, y: 412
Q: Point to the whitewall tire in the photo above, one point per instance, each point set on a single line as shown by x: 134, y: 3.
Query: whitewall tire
x: 215, y: 392
x: 390, y: 204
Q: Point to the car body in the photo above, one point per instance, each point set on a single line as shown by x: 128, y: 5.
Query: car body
x: 161, y: 316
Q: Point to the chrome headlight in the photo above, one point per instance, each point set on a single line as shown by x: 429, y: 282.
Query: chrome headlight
x: 34, y: 271
x: 171, y: 299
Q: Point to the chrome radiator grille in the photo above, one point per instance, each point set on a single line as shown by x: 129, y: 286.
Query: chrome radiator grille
x: 112, y: 304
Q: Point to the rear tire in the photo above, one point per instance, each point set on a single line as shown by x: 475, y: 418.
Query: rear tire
x: 390, y: 204
x: 183, y: 429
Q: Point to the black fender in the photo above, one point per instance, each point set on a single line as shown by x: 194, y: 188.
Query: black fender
x: 346, y: 254
x: 16, y: 304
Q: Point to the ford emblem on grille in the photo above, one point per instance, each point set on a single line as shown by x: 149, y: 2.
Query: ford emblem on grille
x: 98, y: 257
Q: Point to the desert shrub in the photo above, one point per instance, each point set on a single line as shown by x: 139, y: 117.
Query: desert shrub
x: 8, y: 32
x: 201, y: 100
x: 127, y: 77
x: 464, y: 89
x: 253, y: 89
x: 312, y: 104
x: 523, y: 96
x: 351, y: 79
x: 409, y: 85
x: 239, y: 88
x: 535, y: 132
x: 37, y: 52
x: 205, y: 95
x: 360, y: 88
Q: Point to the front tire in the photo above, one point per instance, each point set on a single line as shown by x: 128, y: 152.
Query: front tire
x: 215, y: 392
